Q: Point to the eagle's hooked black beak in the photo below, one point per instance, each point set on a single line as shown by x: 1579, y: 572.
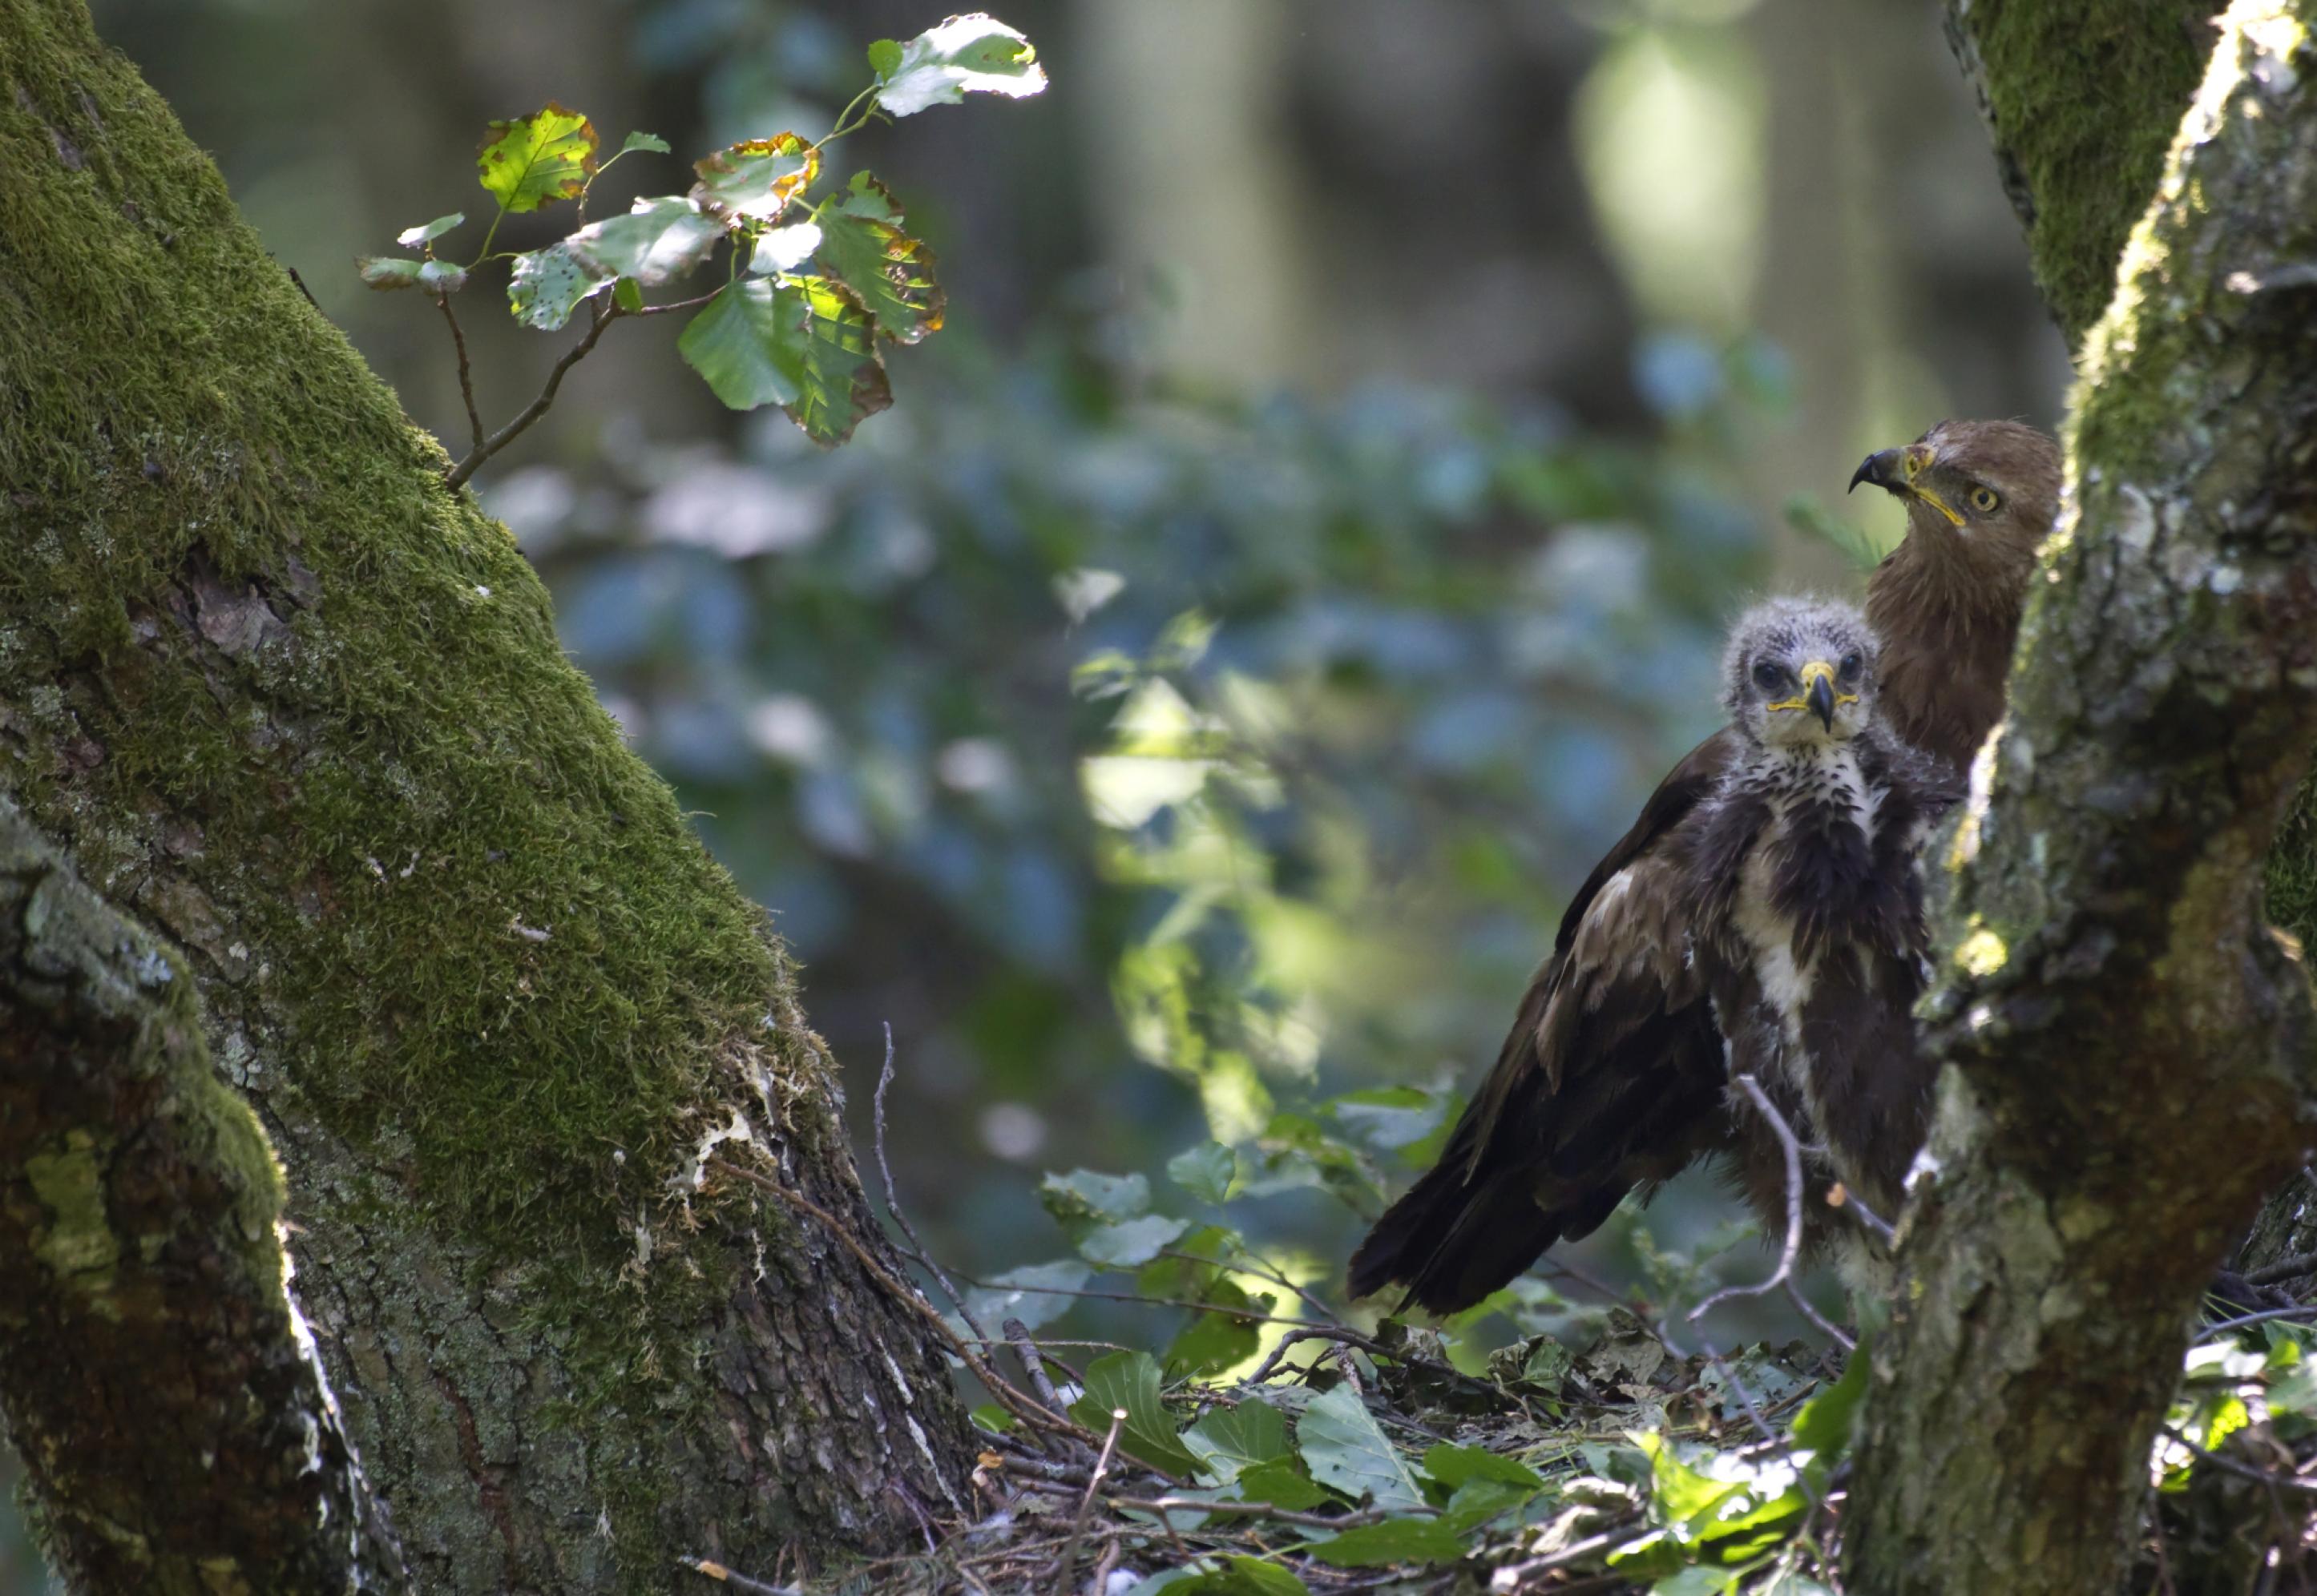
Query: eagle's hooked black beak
x: 1819, y: 694
x: 1880, y: 469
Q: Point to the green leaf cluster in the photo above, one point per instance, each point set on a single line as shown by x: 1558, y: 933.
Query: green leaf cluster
x: 826, y: 285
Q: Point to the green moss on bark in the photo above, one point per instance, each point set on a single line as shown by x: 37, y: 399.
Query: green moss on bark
x: 305, y: 709
x: 508, y: 943
x: 2083, y: 96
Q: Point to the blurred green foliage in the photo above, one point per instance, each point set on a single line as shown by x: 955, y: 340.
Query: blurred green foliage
x: 1165, y: 769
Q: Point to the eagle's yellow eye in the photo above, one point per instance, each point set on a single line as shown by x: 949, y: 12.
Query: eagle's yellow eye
x: 1984, y: 500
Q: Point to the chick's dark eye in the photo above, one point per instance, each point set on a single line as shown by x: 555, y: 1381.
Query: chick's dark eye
x: 1766, y: 676
x: 1984, y: 500
x: 1850, y: 663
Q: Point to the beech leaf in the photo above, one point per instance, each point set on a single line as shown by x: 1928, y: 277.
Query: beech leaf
x: 537, y: 159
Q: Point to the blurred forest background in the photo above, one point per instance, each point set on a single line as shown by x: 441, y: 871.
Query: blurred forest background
x: 1183, y: 714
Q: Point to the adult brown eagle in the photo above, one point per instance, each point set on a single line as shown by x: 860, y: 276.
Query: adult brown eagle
x: 1612, y: 1075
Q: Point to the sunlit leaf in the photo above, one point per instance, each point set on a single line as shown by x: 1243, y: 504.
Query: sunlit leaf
x: 1216, y: 1341
x: 1205, y: 1172
x: 547, y: 285
x: 965, y: 54
x: 1031, y: 1294
x: 1130, y: 1380
x: 754, y: 180
x: 413, y: 237
x: 537, y: 159
x: 1346, y: 1449
x: 1395, y: 1540
x: 884, y: 56
x: 991, y: 1417
x: 660, y: 239
x: 646, y: 141
x: 863, y: 245
x: 784, y: 249
x: 1231, y: 1440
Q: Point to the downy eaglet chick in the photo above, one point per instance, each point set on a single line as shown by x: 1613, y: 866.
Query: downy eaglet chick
x: 1808, y: 934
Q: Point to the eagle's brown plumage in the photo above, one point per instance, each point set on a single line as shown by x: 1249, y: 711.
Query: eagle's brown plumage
x: 1612, y: 1077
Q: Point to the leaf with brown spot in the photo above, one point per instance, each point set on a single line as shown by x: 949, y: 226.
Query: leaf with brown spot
x: 892, y: 274
x: 755, y: 179
x: 537, y: 159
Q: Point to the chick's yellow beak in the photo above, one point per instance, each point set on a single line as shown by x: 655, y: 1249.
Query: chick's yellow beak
x: 1817, y: 694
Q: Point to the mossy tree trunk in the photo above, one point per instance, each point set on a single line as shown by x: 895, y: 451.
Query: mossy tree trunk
x: 2130, y: 1042
x: 280, y: 697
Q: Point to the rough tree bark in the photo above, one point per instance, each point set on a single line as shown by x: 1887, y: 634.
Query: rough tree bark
x: 277, y: 693
x: 163, y: 1395
x: 2130, y: 1041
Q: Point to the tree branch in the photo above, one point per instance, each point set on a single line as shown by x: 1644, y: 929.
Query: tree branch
x: 175, y: 1428
x: 2129, y: 1041
x: 606, y: 313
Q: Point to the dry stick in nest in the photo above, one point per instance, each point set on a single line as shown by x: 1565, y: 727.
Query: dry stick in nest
x: 1066, y: 1564
x: 1784, y: 1276
x: 1022, y: 1408
x: 723, y: 1576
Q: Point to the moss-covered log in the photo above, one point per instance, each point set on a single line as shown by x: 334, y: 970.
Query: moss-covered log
x: 179, y: 1435
x: 293, y: 704
x: 2129, y: 1041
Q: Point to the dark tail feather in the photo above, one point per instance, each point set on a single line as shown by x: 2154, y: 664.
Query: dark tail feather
x: 1453, y: 1244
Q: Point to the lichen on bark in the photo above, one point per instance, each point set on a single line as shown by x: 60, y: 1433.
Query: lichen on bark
x: 2133, y: 1074
x: 284, y: 695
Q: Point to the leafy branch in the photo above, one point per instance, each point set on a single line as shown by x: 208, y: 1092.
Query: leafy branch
x: 813, y: 290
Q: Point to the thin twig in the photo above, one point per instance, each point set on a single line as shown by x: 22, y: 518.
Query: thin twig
x: 1263, y: 1510
x: 1162, y: 1302
x: 1066, y: 1564
x: 2284, y: 1269
x: 739, y: 1582
x: 2239, y: 1323
x: 607, y: 312
x: 302, y: 288
x: 1022, y: 1408
x: 675, y: 305
x: 916, y: 1250
x: 1262, y: 1268
x: 2245, y: 1471
x: 1033, y: 1363
x: 466, y: 372
x: 1878, y: 1226
x: 1784, y: 1276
